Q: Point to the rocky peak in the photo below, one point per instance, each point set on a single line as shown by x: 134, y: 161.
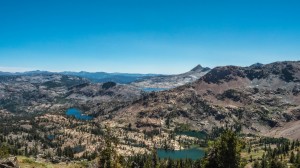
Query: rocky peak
x: 197, y: 68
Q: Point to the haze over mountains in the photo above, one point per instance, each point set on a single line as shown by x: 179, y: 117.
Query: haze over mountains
x: 97, y: 77
x: 100, y: 77
x: 138, y: 80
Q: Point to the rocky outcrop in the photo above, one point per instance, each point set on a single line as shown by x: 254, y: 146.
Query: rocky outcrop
x: 11, y: 162
x: 224, y: 74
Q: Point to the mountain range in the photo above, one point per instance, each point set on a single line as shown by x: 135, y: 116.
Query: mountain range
x: 96, y: 77
x: 259, y: 99
x: 172, y: 81
x: 155, y: 81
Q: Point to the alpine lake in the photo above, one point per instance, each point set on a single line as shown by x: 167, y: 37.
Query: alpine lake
x: 191, y: 153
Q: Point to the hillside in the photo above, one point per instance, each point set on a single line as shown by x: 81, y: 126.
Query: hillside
x: 255, y: 98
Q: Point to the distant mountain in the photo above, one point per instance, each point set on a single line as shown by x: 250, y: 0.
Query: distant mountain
x: 257, y: 65
x: 96, y: 77
x: 262, y: 99
x: 25, y: 73
x: 155, y: 81
x: 100, y: 77
x: 171, y: 81
x: 34, y: 93
x: 31, y: 94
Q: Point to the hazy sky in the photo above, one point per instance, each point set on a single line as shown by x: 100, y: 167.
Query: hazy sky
x: 146, y: 36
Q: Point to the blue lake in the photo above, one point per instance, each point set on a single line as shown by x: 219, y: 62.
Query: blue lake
x: 50, y: 137
x: 78, y: 114
x: 153, y: 89
x: 193, y: 153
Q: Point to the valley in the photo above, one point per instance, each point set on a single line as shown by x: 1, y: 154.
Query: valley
x: 65, y: 119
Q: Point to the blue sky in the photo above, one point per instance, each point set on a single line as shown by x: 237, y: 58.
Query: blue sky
x: 146, y: 36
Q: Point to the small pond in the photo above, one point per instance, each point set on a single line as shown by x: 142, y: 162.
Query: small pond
x: 193, y: 153
x: 78, y: 114
x: 50, y: 137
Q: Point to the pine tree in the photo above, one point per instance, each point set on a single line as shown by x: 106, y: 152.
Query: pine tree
x: 292, y: 158
x: 108, y: 156
x: 293, y: 145
x: 264, y: 162
x: 170, y: 163
x: 298, y: 158
x: 168, y: 121
x: 4, y: 151
x: 256, y: 164
x: 26, y: 151
x: 225, y: 152
x: 155, y: 159
x: 276, y: 164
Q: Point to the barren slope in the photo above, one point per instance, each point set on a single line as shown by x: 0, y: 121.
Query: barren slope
x: 257, y: 98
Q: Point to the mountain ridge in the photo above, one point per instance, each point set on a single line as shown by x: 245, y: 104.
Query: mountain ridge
x: 97, y: 77
x: 256, y: 98
x: 172, y: 81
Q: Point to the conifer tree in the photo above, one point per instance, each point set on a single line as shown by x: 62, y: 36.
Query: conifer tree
x: 292, y: 158
x: 4, y: 151
x: 108, y: 156
x: 225, y: 152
